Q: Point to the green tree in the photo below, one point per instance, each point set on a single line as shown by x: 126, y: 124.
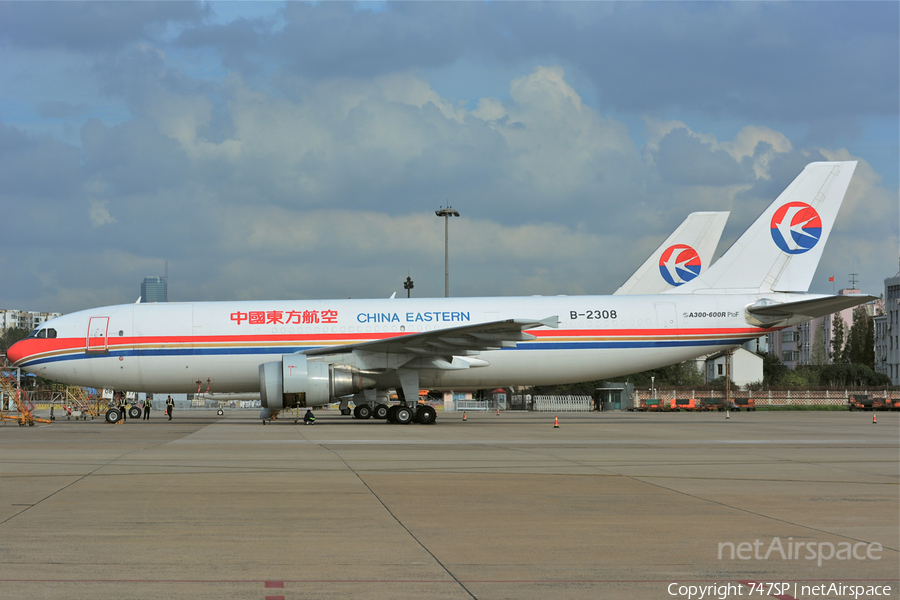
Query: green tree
x: 851, y: 375
x: 868, y: 353
x: 817, y: 354
x: 837, y: 338
x: 773, y: 368
x: 11, y: 336
x: 860, y: 346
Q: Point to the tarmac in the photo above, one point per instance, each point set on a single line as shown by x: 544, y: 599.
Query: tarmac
x: 607, y: 505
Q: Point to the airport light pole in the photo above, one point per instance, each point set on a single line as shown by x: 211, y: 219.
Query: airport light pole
x: 446, y: 213
x: 408, y: 285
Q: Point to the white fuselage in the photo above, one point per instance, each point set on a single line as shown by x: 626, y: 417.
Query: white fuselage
x: 218, y: 346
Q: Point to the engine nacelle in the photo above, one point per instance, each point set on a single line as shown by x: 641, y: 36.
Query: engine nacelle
x: 297, y: 381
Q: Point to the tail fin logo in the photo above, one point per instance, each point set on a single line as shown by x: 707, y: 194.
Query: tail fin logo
x: 796, y: 227
x: 679, y: 264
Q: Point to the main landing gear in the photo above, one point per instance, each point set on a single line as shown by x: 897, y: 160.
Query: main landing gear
x: 375, y: 403
x: 401, y: 414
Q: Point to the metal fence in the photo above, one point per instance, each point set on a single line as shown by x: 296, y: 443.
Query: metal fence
x: 563, y: 403
x: 773, y: 397
x: 472, y: 405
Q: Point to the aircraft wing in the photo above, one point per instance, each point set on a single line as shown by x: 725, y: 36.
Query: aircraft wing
x: 444, y: 349
x: 453, y: 341
x: 790, y: 313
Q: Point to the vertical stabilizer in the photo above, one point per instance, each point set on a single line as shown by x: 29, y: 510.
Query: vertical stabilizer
x: 682, y: 257
x: 781, y: 250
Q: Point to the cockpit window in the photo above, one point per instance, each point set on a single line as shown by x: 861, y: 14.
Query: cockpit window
x: 47, y: 332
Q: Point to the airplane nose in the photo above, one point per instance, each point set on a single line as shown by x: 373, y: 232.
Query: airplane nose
x: 16, y: 352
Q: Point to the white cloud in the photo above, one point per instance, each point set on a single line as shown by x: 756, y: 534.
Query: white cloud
x: 745, y: 144
x: 329, y: 191
x: 98, y: 213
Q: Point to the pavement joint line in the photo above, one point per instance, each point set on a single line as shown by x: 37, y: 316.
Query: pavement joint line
x: 638, y: 479
x: 399, y: 522
x: 71, y: 483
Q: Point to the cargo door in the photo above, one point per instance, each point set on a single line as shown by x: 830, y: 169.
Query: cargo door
x: 665, y: 316
x: 97, y: 335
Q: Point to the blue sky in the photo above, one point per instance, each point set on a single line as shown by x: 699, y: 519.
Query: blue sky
x: 272, y: 150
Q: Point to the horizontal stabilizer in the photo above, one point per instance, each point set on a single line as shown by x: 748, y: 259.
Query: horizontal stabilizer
x: 768, y: 313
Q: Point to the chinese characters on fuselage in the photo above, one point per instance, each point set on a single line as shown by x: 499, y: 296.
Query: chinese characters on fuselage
x: 279, y: 317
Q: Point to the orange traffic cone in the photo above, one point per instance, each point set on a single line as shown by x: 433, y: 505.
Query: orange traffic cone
x: 874, y: 418
x: 498, y: 412
x: 464, y: 415
x: 556, y: 422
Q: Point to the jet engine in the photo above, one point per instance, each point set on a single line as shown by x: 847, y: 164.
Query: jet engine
x: 297, y: 381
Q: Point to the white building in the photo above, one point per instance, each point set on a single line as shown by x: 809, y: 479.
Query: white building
x: 890, y: 340
x: 746, y: 366
x: 794, y: 345
x: 24, y: 319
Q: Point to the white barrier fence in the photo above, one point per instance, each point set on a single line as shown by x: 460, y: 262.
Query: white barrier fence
x: 472, y: 405
x: 563, y: 403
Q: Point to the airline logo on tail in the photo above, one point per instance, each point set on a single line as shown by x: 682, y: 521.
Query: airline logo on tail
x: 679, y: 264
x: 796, y: 227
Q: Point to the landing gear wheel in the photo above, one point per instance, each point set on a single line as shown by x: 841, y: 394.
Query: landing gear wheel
x: 403, y: 415
x: 380, y: 412
x: 345, y: 411
x: 220, y: 412
x: 391, y: 412
x: 426, y: 415
x: 134, y: 412
x: 363, y: 411
x: 113, y: 415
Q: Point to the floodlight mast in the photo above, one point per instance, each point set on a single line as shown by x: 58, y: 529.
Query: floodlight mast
x: 446, y: 213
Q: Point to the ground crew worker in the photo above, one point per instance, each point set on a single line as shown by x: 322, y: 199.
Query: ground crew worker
x: 123, y: 408
x: 309, y: 418
x: 170, y: 406
x: 147, y: 409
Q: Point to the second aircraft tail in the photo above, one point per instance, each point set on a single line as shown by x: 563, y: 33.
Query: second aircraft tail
x: 681, y: 257
x: 781, y: 249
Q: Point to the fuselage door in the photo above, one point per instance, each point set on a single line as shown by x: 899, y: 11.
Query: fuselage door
x: 97, y: 338
x: 665, y: 316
